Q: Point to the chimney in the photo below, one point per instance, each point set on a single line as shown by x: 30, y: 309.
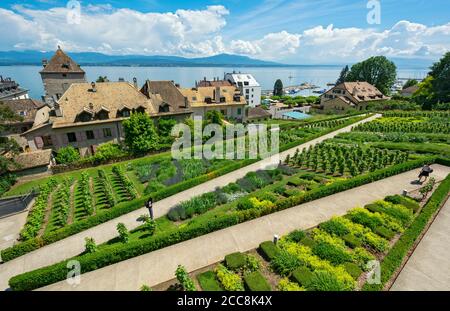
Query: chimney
x: 58, y: 111
x: 44, y: 63
x: 217, y: 94
x: 135, y: 83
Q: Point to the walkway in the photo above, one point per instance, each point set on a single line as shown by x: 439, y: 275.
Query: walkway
x: 159, y: 266
x: 428, y: 269
x: 74, y: 244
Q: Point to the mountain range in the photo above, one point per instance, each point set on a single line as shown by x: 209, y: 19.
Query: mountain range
x: 99, y: 59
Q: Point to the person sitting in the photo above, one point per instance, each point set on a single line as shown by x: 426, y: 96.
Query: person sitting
x: 425, y: 172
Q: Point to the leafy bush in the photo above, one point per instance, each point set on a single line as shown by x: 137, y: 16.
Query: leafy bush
x: 235, y: 261
x: 351, y: 241
x: 184, y: 279
x: 285, y: 263
x: 352, y: 269
x: 269, y: 250
x: 84, y: 187
x: 296, y: 235
x: 67, y: 155
x: 334, y: 227
x: 303, y: 276
x: 230, y: 281
x: 90, y: 246
x: 361, y: 257
x: 332, y: 253
x: 125, y: 181
x: 124, y: 235
x: 108, y: 151
x: 287, y: 286
x: 307, y: 241
x: 256, y: 282
x: 385, y: 232
x: 326, y: 281
x: 407, y: 202
x: 208, y: 282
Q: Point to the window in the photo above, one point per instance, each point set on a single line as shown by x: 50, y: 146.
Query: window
x: 71, y: 137
x: 107, y: 132
x: 90, y: 135
x: 223, y: 112
x: 246, y: 83
x: 247, y: 91
x: 22, y: 113
x: 125, y: 113
x: 239, y: 111
x: 47, y: 140
x: 247, y: 97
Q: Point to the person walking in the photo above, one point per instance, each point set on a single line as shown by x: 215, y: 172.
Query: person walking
x: 425, y: 172
x: 149, y: 206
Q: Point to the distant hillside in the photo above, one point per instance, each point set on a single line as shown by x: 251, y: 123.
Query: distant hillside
x: 88, y: 58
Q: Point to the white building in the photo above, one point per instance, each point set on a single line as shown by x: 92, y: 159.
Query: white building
x: 247, y: 84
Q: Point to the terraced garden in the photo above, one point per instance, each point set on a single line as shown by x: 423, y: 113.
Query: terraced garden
x: 337, y: 255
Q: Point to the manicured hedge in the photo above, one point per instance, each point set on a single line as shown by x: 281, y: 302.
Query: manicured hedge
x: 208, y: 282
x: 235, y: 261
x: 393, y: 260
x: 57, y: 272
x: 352, y: 269
x: 256, y: 282
x: 303, y: 276
x: 407, y: 202
x: 269, y: 250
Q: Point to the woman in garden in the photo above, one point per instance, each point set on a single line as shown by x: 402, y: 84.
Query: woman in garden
x: 425, y: 172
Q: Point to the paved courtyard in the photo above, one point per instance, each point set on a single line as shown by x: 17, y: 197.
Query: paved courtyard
x: 428, y: 269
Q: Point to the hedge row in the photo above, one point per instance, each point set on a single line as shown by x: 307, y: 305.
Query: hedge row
x: 394, y: 259
x: 127, y: 207
x: 89, y: 262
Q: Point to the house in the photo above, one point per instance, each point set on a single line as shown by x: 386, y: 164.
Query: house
x: 226, y: 99
x: 31, y: 163
x: 10, y: 89
x: 350, y: 95
x: 257, y: 114
x: 26, y: 109
x: 248, y: 86
x: 214, y: 83
x: 58, y: 74
x: 167, y: 99
x: 409, y: 91
x: 90, y: 114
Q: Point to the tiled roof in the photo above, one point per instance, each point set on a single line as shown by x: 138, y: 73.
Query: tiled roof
x: 206, y: 83
x: 166, y: 93
x: 363, y: 91
x: 33, y: 159
x: 61, y: 63
x: 27, y: 108
x: 113, y: 96
x: 258, y: 112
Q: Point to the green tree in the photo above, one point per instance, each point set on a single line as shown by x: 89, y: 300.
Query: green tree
x: 140, y: 133
x: 278, y: 88
x: 214, y: 117
x: 343, y: 75
x: 409, y: 83
x: 67, y: 155
x: 165, y: 126
x: 440, y: 72
x: 425, y: 95
x: 102, y: 79
x: 377, y: 70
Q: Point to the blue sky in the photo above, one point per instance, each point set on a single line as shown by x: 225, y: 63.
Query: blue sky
x: 281, y: 30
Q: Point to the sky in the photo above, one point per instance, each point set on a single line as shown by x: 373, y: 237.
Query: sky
x: 286, y: 31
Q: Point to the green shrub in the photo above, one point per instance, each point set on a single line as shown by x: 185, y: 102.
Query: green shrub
x: 90, y: 246
x: 184, y: 279
x: 244, y: 204
x: 351, y: 241
x: 291, y: 192
x: 307, y: 241
x: 287, y: 286
x: 67, y: 155
x: 332, y: 253
x: 409, y: 203
x: 268, y: 196
x: 235, y: 261
x: 385, y: 232
x: 256, y: 282
x: 208, y: 282
x: 334, y: 227
x: 352, y: 269
x: 296, y: 235
x: 303, y: 276
x: 269, y: 250
x: 230, y: 281
x: 284, y: 263
x: 326, y: 281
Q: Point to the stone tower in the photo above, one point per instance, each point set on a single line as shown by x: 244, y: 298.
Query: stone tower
x: 58, y: 74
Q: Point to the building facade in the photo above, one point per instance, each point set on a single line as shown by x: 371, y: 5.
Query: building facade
x: 248, y: 86
x: 58, y: 74
x: 350, y: 95
x: 226, y: 99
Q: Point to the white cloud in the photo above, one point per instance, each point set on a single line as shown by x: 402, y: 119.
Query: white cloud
x: 200, y: 33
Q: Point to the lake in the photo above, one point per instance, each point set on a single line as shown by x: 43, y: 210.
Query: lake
x: 28, y: 76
